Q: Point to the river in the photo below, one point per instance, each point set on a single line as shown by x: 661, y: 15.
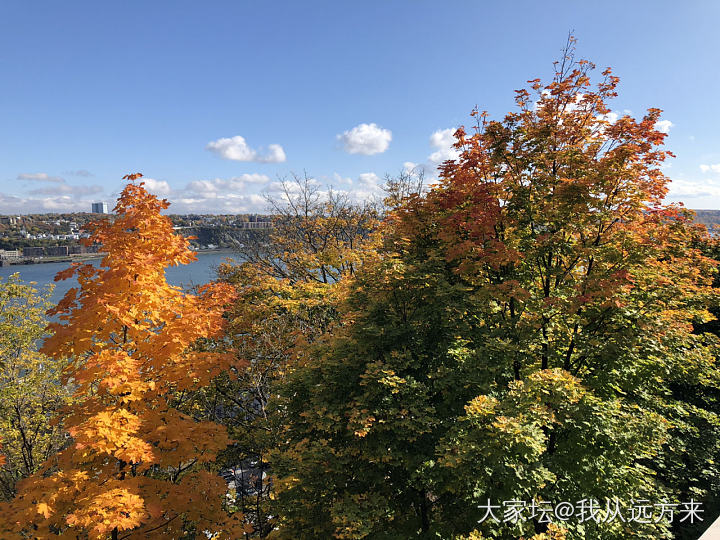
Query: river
x: 197, y: 273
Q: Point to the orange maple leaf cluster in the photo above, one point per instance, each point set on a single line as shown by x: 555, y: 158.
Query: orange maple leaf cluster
x: 132, y: 465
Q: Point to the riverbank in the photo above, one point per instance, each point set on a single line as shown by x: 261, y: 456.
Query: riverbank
x: 20, y: 261
x: 186, y: 276
x: 81, y: 257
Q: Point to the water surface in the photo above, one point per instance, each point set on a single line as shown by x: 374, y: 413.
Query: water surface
x: 197, y: 273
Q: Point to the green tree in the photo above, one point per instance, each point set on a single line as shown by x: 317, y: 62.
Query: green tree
x: 690, y: 461
x: 286, y: 286
x: 517, y: 337
x: 31, y: 393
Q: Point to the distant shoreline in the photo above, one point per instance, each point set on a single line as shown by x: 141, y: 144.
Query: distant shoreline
x: 87, y: 257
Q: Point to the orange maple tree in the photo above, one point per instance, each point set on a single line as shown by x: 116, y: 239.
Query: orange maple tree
x: 136, y: 466
x: 526, y: 332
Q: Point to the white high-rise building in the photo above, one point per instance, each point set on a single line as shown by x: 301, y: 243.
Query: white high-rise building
x: 99, y: 208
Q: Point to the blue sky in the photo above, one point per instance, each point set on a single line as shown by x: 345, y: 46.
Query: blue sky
x: 214, y: 101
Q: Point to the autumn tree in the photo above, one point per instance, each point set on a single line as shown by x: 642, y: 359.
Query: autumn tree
x: 30, y: 390
x: 136, y: 467
x: 405, y: 185
x: 286, y: 284
x: 316, y: 233
x: 517, y: 338
x: 690, y: 460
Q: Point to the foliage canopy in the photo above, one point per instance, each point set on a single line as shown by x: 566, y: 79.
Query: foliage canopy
x: 136, y: 466
x: 518, y: 336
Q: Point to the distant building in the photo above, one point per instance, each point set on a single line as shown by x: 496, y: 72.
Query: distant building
x: 256, y: 224
x: 56, y: 251
x: 33, y: 251
x: 99, y: 208
x: 9, y: 254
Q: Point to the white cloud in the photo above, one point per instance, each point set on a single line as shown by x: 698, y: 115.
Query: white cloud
x: 291, y: 187
x: 41, y: 177
x: 12, y: 204
x: 443, y: 140
x: 236, y: 149
x: 66, y: 189
x: 367, y: 139
x: 64, y: 203
x: 214, y: 196
x: 80, y: 172
x: 275, y: 154
x: 56, y: 186
x: 253, y: 178
x: 663, y: 126
x: 240, y: 194
x: 235, y: 184
x: 369, y: 179
x: 680, y: 189
x: 410, y: 167
x: 715, y: 167
x: 428, y: 170
x: 157, y: 187
x: 342, y: 180
x: 218, y: 203
x: 367, y: 187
